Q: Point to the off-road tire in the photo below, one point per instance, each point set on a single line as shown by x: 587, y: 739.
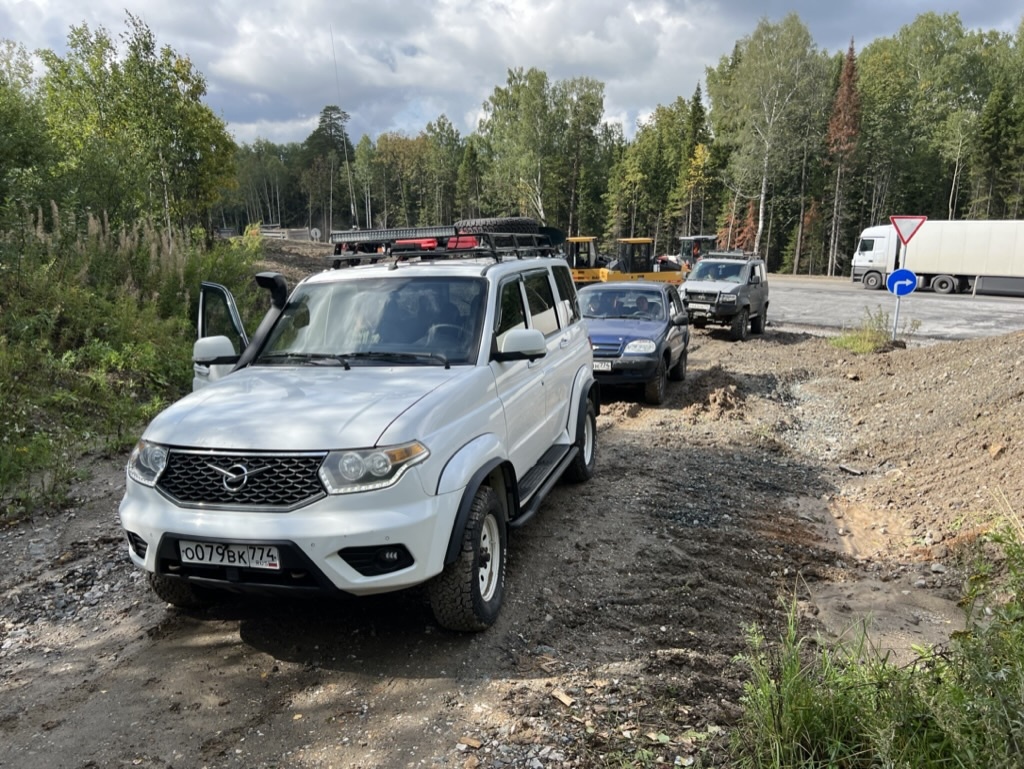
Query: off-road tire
x: 678, y: 372
x: 467, y: 595
x: 740, y: 325
x: 757, y: 324
x: 178, y: 592
x: 582, y: 467
x: 656, y: 389
x: 519, y: 224
x: 872, y: 281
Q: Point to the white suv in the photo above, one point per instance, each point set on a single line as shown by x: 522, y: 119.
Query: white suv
x: 384, y: 427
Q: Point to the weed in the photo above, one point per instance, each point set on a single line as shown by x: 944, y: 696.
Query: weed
x: 874, y: 334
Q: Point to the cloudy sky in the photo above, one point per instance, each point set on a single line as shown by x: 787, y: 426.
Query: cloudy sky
x: 395, y: 65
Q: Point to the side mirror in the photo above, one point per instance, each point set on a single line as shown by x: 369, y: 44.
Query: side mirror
x: 212, y: 358
x: 521, y: 344
x: 214, y: 350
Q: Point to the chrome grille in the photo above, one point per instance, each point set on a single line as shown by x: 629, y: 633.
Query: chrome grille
x: 267, y: 482
x: 707, y: 297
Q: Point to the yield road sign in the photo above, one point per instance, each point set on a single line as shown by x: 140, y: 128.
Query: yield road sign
x: 906, y: 226
x: 901, y: 282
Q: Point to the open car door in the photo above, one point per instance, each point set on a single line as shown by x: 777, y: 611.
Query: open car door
x: 220, y: 335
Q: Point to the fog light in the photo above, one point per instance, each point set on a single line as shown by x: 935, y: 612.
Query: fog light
x: 375, y: 560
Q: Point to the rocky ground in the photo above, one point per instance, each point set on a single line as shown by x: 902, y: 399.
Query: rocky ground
x: 782, y: 472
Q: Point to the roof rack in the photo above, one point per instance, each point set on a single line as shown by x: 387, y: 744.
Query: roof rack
x: 435, y: 243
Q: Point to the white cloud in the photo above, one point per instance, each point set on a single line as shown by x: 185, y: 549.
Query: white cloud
x: 394, y: 65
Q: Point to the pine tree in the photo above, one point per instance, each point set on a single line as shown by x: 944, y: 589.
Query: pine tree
x: 843, y: 128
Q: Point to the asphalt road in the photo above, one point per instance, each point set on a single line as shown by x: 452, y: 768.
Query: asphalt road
x: 835, y: 304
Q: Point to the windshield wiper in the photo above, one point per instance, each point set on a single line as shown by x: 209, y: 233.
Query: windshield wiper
x: 309, y: 358
x: 400, y: 357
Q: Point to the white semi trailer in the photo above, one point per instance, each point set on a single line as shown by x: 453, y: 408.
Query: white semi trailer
x: 948, y: 257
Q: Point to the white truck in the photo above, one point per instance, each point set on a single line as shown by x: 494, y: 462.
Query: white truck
x: 948, y: 257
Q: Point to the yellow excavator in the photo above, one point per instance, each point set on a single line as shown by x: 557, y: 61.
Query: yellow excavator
x: 634, y: 260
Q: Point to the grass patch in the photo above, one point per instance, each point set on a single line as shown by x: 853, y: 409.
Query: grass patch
x: 873, y: 335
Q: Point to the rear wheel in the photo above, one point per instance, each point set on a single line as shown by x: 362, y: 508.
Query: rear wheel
x: 944, y: 284
x: 654, y: 390
x: 582, y: 467
x: 739, y: 326
x: 467, y: 595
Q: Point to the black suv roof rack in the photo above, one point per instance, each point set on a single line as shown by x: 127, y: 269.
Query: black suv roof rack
x: 733, y: 253
x: 435, y: 243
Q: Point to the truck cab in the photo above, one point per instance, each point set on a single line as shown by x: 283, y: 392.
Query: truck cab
x: 875, y: 256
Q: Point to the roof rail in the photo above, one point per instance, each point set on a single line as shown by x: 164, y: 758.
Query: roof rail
x: 434, y: 244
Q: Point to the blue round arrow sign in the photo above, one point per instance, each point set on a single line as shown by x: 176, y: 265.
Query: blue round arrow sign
x: 901, y: 282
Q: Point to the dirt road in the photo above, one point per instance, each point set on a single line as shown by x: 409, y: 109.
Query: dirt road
x: 781, y: 470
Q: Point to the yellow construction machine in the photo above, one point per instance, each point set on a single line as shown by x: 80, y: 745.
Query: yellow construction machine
x: 634, y: 260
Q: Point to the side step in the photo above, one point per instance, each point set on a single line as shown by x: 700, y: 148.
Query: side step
x: 539, y: 479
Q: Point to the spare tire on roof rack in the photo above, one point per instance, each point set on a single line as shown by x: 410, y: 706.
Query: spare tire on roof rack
x: 519, y: 224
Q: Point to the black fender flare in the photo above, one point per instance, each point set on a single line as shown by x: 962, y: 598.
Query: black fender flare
x: 466, y: 503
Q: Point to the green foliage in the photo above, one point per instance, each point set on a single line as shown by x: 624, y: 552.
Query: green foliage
x: 848, y: 707
x: 131, y: 133
x: 873, y: 335
x: 95, y: 337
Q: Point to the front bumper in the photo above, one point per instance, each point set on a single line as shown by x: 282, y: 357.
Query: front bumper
x: 326, y: 545
x: 712, y: 313
x: 631, y: 369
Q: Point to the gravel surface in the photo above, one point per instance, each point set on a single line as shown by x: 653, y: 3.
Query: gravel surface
x: 781, y: 470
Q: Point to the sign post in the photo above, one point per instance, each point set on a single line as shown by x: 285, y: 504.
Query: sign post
x: 903, y: 282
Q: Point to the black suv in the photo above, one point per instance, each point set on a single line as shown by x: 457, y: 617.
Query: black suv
x: 728, y: 290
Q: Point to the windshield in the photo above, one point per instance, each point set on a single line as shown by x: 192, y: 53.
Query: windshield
x: 730, y: 272
x: 379, y: 321
x: 602, y: 302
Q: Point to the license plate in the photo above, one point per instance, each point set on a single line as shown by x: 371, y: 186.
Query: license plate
x: 699, y: 307
x: 219, y: 554
x: 602, y: 365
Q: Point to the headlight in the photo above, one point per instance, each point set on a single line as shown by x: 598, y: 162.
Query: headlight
x: 146, y: 462
x: 727, y: 299
x: 641, y: 346
x: 346, y: 472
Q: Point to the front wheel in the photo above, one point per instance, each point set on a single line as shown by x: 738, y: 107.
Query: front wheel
x: 757, y: 324
x: 179, y: 592
x: 655, y: 390
x: 467, y: 595
x: 678, y: 372
x: 582, y: 467
x: 740, y: 325
x: 872, y: 281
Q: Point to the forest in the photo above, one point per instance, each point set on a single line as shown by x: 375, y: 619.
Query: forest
x: 784, y: 149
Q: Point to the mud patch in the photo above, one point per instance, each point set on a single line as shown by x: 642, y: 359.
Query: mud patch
x: 715, y: 394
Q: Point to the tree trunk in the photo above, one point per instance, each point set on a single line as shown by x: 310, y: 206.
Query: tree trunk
x: 800, y: 224
x: 837, y: 206
x: 761, y: 205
